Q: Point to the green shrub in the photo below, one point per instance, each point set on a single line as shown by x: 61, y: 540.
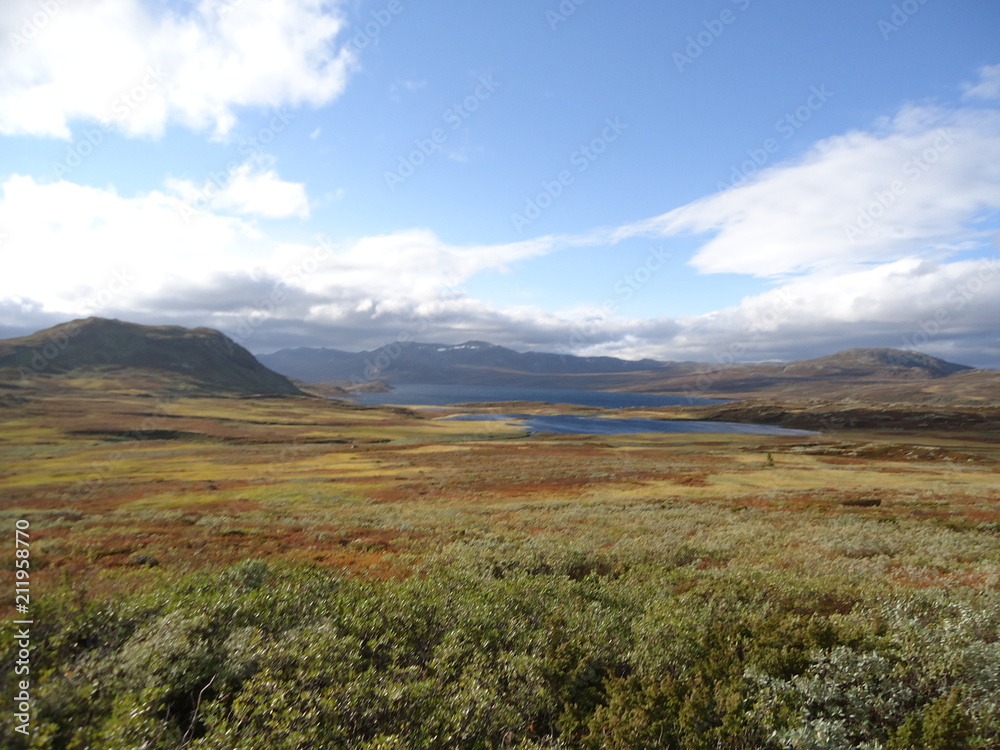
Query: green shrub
x: 562, y: 649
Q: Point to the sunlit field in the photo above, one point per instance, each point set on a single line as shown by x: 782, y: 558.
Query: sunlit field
x: 294, y: 572
x: 291, y: 295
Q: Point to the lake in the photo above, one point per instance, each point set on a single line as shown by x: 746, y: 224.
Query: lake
x: 571, y: 424
x: 442, y: 395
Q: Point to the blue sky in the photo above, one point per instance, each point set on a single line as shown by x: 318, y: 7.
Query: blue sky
x: 723, y: 180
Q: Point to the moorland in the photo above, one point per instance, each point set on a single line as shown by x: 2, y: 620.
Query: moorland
x: 220, y: 567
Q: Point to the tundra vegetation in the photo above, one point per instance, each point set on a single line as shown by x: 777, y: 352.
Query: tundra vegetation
x: 288, y: 572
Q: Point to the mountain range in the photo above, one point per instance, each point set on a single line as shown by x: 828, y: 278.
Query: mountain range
x: 209, y: 361
x: 471, y: 363
x: 880, y: 374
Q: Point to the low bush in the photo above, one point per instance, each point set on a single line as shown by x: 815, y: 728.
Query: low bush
x: 555, y: 648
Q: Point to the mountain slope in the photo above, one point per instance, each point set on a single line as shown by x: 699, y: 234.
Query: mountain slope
x: 879, y: 363
x: 879, y: 374
x: 200, y: 355
x: 474, y: 362
x: 204, y: 359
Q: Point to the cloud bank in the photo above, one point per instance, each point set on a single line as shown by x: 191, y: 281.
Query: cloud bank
x: 118, y: 62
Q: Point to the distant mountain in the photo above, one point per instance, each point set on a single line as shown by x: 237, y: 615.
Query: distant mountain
x: 876, y: 363
x: 471, y: 363
x: 879, y: 374
x: 201, y: 356
x: 202, y: 359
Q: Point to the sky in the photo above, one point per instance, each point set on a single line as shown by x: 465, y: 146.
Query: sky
x: 713, y: 180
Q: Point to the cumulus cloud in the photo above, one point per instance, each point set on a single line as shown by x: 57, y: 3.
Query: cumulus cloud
x: 911, y: 303
x: 246, y: 190
x: 141, y: 67
x: 915, y: 184
x: 67, y: 243
x: 81, y: 250
x: 946, y: 309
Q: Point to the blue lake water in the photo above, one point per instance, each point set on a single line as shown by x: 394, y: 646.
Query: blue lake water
x: 572, y: 424
x: 441, y: 395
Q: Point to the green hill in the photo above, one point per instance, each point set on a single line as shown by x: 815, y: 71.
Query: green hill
x: 201, y: 356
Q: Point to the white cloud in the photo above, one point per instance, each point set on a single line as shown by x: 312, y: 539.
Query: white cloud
x: 988, y: 85
x: 407, y: 85
x: 64, y: 242
x: 119, y: 61
x: 891, y: 296
x: 67, y: 242
x: 247, y: 191
x: 947, y: 309
x: 916, y: 184
x: 400, y: 272
x: 73, y: 250
x: 403, y: 87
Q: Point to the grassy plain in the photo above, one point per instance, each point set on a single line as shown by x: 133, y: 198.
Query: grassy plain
x: 128, y: 495
x: 195, y: 482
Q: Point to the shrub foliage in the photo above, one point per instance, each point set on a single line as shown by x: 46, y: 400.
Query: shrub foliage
x: 553, y: 650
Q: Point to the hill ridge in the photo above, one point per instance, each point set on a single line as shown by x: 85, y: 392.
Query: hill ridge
x: 207, y: 360
x: 410, y: 362
x: 889, y: 358
x: 453, y: 364
x: 202, y: 355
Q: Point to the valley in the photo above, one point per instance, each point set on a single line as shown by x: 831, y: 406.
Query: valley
x: 200, y: 481
x: 202, y: 542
